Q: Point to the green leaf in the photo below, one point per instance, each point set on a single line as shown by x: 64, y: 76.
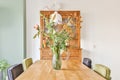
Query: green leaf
x: 35, y: 36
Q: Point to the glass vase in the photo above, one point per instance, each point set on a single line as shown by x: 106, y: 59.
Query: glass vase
x: 56, y: 61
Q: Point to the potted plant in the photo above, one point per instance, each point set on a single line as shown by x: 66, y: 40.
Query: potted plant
x: 3, y: 66
x: 56, y: 39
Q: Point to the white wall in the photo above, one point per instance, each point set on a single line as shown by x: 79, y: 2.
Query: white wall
x: 100, y: 29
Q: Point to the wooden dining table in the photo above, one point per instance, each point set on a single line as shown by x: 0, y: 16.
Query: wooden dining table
x: 71, y: 70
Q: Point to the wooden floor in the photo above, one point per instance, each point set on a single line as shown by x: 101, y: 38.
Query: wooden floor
x: 71, y: 70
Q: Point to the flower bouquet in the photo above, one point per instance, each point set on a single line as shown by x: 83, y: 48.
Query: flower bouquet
x: 57, y: 36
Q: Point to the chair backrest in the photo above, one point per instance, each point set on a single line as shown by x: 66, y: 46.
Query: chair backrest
x: 103, y: 70
x: 27, y: 63
x: 14, y: 71
x: 87, y: 62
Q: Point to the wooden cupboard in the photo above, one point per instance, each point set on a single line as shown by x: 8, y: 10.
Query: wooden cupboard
x: 73, y: 49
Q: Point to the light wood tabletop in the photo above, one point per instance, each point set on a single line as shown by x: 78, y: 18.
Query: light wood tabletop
x: 71, y: 70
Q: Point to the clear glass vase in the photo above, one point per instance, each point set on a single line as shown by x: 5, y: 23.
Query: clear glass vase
x: 56, y: 61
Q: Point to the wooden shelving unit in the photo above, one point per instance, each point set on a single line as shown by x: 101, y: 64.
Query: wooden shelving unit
x: 74, y: 49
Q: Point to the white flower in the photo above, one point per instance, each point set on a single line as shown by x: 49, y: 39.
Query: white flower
x: 56, y: 18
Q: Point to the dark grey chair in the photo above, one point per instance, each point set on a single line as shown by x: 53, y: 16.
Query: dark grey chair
x: 87, y: 62
x: 14, y: 71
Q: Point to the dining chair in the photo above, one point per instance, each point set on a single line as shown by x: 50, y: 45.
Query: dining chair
x: 87, y: 62
x: 14, y: 71
x: 27, y: 62
x: 102, y: 70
